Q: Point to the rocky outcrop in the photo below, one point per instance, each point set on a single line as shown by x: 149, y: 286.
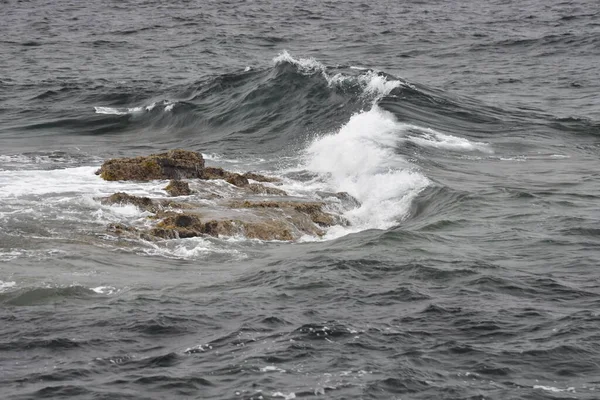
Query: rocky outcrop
x: 174, y: 164
x: 313, y: 210
x: 178, y: 188
x: 257, y: 188
x: 216, y: 210
x: 191, y: 225
x: 259, y: 178
x: 143, y: 203
x: 220, y: 173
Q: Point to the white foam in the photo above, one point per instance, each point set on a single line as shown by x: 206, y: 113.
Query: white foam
x: 554, y: 389
x: 110, y: 111
x: 106, y: 290
x: 168, y: 106
x: 271, y: 368
x: 191, y: 248
x: 432, y: 138
x: 361, y: 159
x: 6, y: 285
x: 309, y: 65
x: 378, y: 85
x: 68, y: 182
x: 290, y: 396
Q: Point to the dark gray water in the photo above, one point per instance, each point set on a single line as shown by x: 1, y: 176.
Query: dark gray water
x: 470, y: 134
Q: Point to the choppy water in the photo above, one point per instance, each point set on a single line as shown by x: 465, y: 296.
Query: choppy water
x: 470, y: 134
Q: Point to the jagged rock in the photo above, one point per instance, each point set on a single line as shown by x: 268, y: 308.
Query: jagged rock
x: 220, y: 173
x: 271, y: 219
x: 143, y: 203
x: 259, y: 177
x: 178, y: 188
x: 120, y: 229
x: 174, y: 164
x: 190, y: 225
x: 312, y: 209
x: 257, y: 188
x: 346, y: 200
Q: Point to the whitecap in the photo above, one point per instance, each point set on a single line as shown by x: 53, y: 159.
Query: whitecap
x: 431, y: 138
x: 106, y: 290
x: 271, y: 368
x: 373, y: 83
x: 6, y: 285
x: 360, y: 159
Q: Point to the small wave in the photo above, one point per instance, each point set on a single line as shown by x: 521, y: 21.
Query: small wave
x: 431, y: 138
x: 105, y: 290
x: 309, y: 65
x: 6, y: 285
x: 40, y: 295
x: 191, y: 248
x: 166, y: 106
x: 554, y: 389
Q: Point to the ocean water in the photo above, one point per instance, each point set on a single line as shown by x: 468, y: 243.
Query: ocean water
x: 469, y: 132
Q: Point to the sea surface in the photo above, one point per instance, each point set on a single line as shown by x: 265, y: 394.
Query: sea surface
x: 469, y: 131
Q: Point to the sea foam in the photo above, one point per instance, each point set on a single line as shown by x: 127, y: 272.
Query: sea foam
x: 361, y: 159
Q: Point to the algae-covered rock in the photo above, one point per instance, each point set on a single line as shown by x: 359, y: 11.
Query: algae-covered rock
x: 143, y: 203
x: 191, y: 225
x: 280, y: 217
x: 259, y: 178
x: 314, y: 210
x: 220, y: 173
x: 178, y: 188
x: 174, y: 164
x: 257, y: 188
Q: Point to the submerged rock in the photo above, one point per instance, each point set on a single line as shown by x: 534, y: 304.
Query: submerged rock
x: 174, y: 164
x: 178, y: 188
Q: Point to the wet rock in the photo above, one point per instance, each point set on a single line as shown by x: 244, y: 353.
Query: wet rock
x: 220, y: 173
x: 257, y: 188
x: 121, y: 229
x: 314, y: 210
x: 191, y: 225
x: 143, y: 203
x: 345, y: 199
x: 259, y: 178
x: 174, y: 164
x: 207, y: 213
x: 178, y: 188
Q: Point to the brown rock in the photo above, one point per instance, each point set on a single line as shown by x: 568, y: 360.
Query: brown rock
x: 259, y: 177
x: 312, y: 209
x: 143, y: 203
x: 257, y: 188
x: 190, y: 225
x: 178, y: 188
x: 220, y: 173
x: 174, y: 164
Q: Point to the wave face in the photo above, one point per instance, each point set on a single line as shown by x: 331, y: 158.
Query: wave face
x: 459, y: 141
